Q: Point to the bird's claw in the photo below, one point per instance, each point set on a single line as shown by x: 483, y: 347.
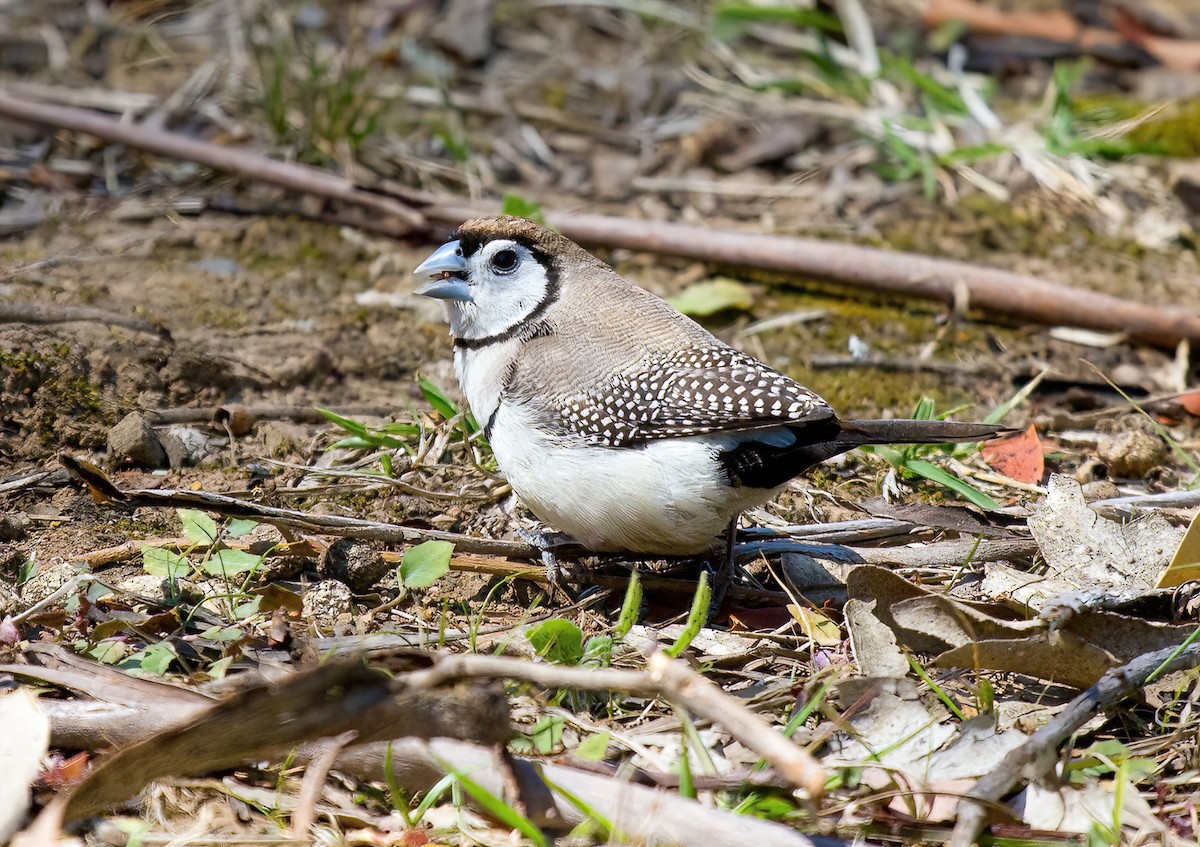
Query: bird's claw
x: 545, y: 543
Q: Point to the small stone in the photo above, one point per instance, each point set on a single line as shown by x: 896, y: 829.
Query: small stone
x: 357, y: 564
x: 1100, y: 489
x: 1131, y: 447
x: 134, y: 442
x: 185, y: 446
x: 158, y: 589
x: 46, y: 580
x: 464, y: 28
x: 12, y: 527
x: 327, y: 604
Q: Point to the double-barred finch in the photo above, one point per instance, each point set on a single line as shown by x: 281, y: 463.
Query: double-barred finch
x: 617, y: 419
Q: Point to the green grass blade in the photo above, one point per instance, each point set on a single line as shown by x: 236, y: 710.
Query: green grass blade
x: 437, y: 398
x: 687, y: 785
x: 935, y: 688
x: 349, y: 424
x: 496, y: 808
x: 590, y: 812
x: 629, y: 608
x: 697, y: 617
x: 935, y: 474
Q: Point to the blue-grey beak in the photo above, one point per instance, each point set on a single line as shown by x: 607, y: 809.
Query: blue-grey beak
x: 447, y: 266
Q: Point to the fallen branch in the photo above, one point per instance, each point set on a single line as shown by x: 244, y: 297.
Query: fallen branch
x: 400, y: 218
x: 331, y: 699
x: 398, y: 211
x: 104, y: 490
x: 57, y: 313
x: 1015, y: 296
x: 1039, y: 754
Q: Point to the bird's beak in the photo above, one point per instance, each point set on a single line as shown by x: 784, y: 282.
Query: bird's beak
x: 445, y: 267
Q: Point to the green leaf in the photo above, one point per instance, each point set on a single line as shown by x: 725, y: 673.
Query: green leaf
x: 546, y: 735
x: 522, y: 208
x: 425, y: 564
x: 220, y: 667
x: 230, y: 562
x: 593, y: 748
x: 223, y: 633
x: 107, y: 652
x: 935, y: 474
x: 238, y: 527
x: 198, y: 527
x: 985, y: 694
x: 924, y: 410
x: 437, y: 398
x: 711, y: 296
x: 155, y: 659
x: 160, y: 562
x: 557, y: 640
x: 597, y: 652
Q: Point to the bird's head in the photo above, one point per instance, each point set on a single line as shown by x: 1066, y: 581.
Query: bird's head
x: 497, y: 275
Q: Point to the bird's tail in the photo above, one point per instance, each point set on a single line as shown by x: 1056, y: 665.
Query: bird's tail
x: 857, y: 433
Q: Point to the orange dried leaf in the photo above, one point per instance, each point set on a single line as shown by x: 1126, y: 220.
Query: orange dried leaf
x: 1190, y: 401
x: 1018, y: 457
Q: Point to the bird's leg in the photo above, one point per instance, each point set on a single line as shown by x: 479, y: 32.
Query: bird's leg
x: 546, y: 543
x: 722, y: 571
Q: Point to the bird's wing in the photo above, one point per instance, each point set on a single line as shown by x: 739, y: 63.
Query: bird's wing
x: 690, y: 391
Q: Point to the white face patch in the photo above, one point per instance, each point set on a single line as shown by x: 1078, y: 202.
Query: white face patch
x: 507, y: 284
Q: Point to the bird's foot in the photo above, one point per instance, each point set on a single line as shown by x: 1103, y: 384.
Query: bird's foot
x: 546, y: 544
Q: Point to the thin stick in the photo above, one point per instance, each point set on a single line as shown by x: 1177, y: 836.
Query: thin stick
x: 243, y: 163
x: 56, y: 313
x: 104, y: 489
x: 314, y: 780
x: 666, y: 678
x: 684, y: 686
x: 1035, y: 757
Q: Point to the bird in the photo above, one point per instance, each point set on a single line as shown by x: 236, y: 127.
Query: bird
x: 619, y: 421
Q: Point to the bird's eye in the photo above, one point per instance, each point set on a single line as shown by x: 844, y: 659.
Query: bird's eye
x: 505, y: 261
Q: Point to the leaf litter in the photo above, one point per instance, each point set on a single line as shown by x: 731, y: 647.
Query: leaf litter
x: 190, y: 632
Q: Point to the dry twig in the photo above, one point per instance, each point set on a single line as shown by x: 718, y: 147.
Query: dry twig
x: 57, y: 313
x: 1037, y: 755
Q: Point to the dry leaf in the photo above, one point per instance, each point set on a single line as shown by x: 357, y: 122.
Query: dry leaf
x: 1018, y: 457
x: 1185, y: 564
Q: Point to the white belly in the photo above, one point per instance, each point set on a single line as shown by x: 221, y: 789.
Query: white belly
x: 667, y: 497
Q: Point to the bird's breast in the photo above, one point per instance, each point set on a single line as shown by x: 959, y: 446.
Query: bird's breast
x: 482, y: 373
x: 666, y: 497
